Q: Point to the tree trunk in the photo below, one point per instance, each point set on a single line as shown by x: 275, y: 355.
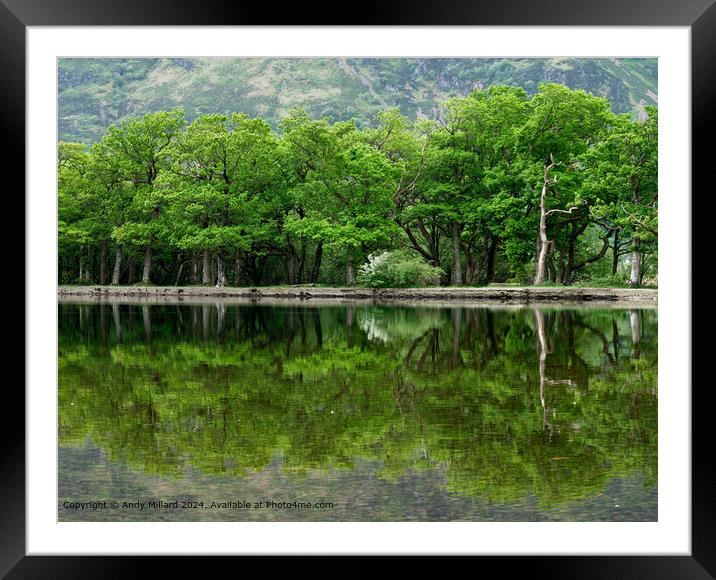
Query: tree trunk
x: 635, y: 323
x: 195, y: 320
x: 146, y: 273
x: 491, y: 252
x: 255, y: 268
x: 206, y: 271
x: 456, y: 326
x: 457, y: 268
x: 431, y: 238
x: 95, y: 261
x: 543, y: 348
x: 117, y: 266
x: 237, y: 268
x: 82, y: 263
x: 117, y: 322
x: 350, y: 314
x: 615, y: 253
x: 317, y: 327
x: 206, y: 321
x: 289, y: 264
x: 573, y: 268
x: 551, y: 270
x: 318, y: 256
x: 86, y: 273
x: 103, y: 325
x: 615, y: 340
x: 195, y: 269
x: 130, y: 270
x: 220, y: 319
x: 566, y: 274
x: 147, y: 319
x: 103, y: 263
x: 543, y: 242
x: 470, y: 272
x: 221, y: 269
x: 301, y: 264
x: 179, y: 273
x: 545, y: 246
x: 350, y: 272
x: 635, y: 263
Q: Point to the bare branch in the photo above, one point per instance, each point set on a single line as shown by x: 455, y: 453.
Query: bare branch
x: 554, y: 211
x: 645, y: 227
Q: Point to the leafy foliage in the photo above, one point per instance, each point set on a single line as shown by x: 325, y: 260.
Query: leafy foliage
x: 226, y: 199
x: 398, y: 269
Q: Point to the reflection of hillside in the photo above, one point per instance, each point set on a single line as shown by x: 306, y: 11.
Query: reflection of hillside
x: 552, y: 403
x: 358, y: 494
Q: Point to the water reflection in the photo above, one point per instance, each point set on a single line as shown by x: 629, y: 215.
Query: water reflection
x: 508, y: 407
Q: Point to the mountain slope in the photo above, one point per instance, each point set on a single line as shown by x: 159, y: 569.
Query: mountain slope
x: 94, y: 93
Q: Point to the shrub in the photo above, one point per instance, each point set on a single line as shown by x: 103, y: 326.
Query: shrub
x: 398, y: 269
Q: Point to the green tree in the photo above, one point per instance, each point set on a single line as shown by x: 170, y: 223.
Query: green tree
x: 623, y: 171
x: 139, y: 148
x: 480, y: 142
x: 563, y: 124
x: 501, y: 186
x: 219, y: 166
x: 77, y: 201
x: 347, y: 191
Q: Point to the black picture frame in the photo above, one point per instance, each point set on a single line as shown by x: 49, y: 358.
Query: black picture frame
x: 699, y: 15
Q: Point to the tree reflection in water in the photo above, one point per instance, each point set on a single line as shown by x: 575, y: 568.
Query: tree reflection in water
x: 508, y: 402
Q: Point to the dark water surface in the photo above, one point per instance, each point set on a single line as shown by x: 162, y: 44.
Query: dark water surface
x: 382, y: 413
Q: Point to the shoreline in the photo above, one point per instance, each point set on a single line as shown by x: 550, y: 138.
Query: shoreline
x: 307, y: 294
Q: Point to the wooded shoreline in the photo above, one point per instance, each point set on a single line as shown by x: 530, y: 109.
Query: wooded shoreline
x: 500, y: 294
x: 551, y: 188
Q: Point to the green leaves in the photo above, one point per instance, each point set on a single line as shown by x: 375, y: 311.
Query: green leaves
x: 463, y: 189
x: 224, y: 171
x: 398, y: 269
x: 622, y: 170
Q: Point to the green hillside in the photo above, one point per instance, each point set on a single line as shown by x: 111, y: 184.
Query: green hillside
x: 94, y: 93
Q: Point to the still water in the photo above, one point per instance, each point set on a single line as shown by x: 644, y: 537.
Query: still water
x: 216, y: 411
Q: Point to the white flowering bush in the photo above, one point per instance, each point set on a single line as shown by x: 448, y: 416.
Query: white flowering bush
x: 398, y: 269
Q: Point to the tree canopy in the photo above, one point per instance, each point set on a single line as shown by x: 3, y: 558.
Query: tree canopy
x: 500, y: 187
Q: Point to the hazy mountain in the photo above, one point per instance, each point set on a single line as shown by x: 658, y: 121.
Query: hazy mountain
x: 96, y: 92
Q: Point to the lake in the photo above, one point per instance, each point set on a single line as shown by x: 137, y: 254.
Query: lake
x: 228, y: 411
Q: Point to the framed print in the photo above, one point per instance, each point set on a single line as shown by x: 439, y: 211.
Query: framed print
x: 382, y: 287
